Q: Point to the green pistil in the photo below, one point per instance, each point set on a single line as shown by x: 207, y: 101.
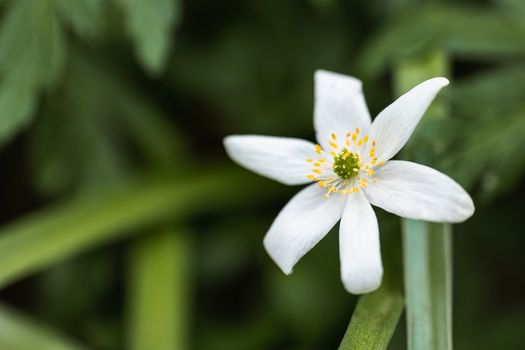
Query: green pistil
x: 346, y: 164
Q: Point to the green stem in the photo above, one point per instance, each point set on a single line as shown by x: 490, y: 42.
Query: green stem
x: 427, y: 247
x: 159, y: 291
x: 374, y: 320
x: 428, y: 281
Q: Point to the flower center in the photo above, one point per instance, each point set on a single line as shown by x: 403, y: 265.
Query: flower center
x: 347, y: 164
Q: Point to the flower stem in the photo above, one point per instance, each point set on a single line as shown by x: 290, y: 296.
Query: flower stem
x: 427, y: 247
x: 374, y: 320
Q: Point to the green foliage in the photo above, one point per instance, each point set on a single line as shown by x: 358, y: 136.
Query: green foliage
x: 31, y: 58
x: 82, y: 125
x: 19, y: 332
x: 149, y: 24
x: 159, y: 284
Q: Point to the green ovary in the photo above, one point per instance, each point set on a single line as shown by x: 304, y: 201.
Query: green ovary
x: 346, y: 164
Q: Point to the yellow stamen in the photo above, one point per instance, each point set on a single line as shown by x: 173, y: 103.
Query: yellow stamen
x: 357, y: 131
x: 317, y: 171
x: 334, y: 145
x: 334, y: 136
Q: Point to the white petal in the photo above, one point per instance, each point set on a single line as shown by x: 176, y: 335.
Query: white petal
x: 392, y: 128
x: 278, y: 158
x: 360, y: 253
x: 340, y: 106
x: 418, y: 192
x: 302, y: 223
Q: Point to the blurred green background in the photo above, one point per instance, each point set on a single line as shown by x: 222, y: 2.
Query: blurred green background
x: 124, y: 224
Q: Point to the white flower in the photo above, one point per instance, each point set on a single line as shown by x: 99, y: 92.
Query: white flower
x: 351, y: 169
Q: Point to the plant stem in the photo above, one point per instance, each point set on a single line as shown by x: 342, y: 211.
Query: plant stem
x: 374, y: 320
x: 159, y: 290
x: 427, y: 247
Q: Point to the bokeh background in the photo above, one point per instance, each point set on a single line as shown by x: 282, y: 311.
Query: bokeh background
x: 124, y: 224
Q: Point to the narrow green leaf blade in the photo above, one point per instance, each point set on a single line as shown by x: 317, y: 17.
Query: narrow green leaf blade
x: 159, y: 291
x: 19, y: 332
x: 53, y: 234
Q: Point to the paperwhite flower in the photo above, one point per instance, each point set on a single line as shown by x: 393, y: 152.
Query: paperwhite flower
x: 351, y: 169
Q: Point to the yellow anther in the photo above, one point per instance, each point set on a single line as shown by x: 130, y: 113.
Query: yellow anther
x: 321, y: 160
x: 354, y: 137
x: 333, y: 154
x: 317, y: 171
x: 322, y: 183
x: 348, y: 142
x: 360, y: 143
x: 365, y: 139
x: 373, y: 143
x: 348, y: 134
x: 355, y: 189
x: 334, y: 136
x: 333, y: 144
x: 318, y: 149
x: 372, y: 152
x: 310, y: 176
x: 370, y: 172
x: 309, y: 160
x: 317, y: 164
x: 357, y: 131
x: 381, y: 163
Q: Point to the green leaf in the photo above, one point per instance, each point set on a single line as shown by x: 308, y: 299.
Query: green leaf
x: 82, y: 138
x: 469, y: 32
x: 150, y: 25
x: 427, y: 247
x: 374, y: 320
x: 55, y: 233
x: 19, y: 332
x: 83, y: 16
x: 159, y: 288
x: 31, y: 58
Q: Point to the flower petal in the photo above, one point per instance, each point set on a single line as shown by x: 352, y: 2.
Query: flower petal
x: 360, y: 253
x: 278, y: 158
x: 392, y: 128
x: 340, y: 106
x: 418, y: 192
x: 302, y: 223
